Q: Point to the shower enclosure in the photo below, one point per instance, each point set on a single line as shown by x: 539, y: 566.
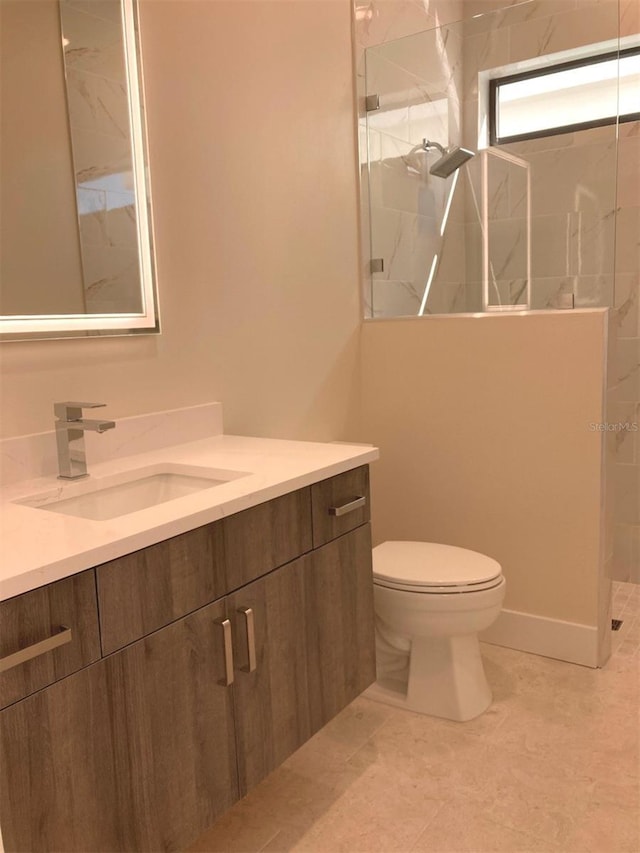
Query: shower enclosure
x: 525, y: 219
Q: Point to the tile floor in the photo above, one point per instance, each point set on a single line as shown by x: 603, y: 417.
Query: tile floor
x: 551, y: 766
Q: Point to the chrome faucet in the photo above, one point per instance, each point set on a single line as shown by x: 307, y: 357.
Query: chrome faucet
x: 70, y: 429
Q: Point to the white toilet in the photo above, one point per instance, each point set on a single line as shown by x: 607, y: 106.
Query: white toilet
x: 430, y: 602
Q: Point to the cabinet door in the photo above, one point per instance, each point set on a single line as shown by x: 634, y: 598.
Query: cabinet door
x: 339, y: 624
x: 271, y: 687
x: 182, y: 573
x: 133, y: 753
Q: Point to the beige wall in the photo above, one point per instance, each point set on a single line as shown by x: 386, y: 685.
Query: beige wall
x: 250, y: 114
x: 483, y: 427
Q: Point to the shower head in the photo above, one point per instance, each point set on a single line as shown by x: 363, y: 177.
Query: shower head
x: 450, y: 161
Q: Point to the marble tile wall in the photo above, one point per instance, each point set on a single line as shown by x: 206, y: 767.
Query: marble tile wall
x: 40, y: 263
x: 101, y: 141
x: 626, y: 405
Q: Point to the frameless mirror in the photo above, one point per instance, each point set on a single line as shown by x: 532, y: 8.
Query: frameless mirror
x: 76, y: 253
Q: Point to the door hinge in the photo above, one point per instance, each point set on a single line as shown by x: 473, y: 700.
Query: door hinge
x: 372, y: 103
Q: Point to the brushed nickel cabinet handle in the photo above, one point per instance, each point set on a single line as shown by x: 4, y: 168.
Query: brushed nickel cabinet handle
x: 343, y: 509
x: 247, y: 612
x: 60, y: 638
x: 225, y: 624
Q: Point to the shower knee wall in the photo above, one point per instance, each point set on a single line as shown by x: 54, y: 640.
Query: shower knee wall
x: 487, y: 438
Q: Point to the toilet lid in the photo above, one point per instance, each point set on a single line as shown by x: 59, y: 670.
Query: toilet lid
x: 423, y: 565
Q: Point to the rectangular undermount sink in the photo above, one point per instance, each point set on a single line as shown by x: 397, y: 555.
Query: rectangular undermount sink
x: 130, y: 491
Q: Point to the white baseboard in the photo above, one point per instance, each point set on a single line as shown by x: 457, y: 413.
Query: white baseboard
x: 551, y: 638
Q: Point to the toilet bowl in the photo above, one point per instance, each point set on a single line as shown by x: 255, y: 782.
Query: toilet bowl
x: 430, y: 603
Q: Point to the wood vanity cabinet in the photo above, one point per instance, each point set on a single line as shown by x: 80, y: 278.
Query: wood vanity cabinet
x: 145, y: 748
x: 126, y: 754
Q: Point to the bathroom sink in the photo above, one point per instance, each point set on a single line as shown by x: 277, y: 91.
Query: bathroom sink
x: 130, y: 491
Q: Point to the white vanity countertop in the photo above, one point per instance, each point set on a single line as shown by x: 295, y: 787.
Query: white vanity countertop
x: 38, y: 547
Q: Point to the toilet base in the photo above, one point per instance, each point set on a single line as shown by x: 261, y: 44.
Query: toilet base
x: 445, y: 678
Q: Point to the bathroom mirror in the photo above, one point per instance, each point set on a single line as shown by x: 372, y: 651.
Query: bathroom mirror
x: 76, y: 252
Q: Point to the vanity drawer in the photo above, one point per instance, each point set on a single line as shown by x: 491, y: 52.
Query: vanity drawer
x: 259, y: 539
x: 148, y: 589
x: 46, y: 634
x: 340, y: 504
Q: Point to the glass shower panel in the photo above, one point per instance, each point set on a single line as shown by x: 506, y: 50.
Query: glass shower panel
x: 413, y: 86
x: 524, y: 224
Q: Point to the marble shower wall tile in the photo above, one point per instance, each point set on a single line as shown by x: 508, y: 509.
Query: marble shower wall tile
x: 473, y: 252
x: 588, y: 291
x: 121, y: 220
x: 626, y: 415
x: 516, y: 11
x: 434, y: 57
x: 399, y: 179
x: 627, y: 494
x: 565, y: 30
x: 92, y: 215
x: 447, y: 298
x: 97, y: 103
x: 94, y: 42
x: 395, y: 298
x: 573, y: 175
x: 628, y: 240
x: 629, y: 169
x: 381, y: 21
x: 483, y: 50
x: 627, y: 302
x: 108, y: 10
x: 508, y: 249
x: 406, y: 242
x: 112, y: 279
x: 101, y: 142
x: 626, y: 553
x: 396, y: 89
x: 451, y: 268
x: 628, y: 366
x: 97, y: 156
x: 577, y: 177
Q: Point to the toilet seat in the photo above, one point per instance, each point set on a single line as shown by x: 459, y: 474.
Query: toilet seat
x: 427, y: 567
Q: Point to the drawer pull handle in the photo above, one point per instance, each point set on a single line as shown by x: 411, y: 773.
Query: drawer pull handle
x: 247, y: 612
x: 225, y: 624
x: 356, y: 503
x: 60, y: 638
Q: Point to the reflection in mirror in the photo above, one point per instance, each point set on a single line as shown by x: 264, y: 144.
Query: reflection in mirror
x: 76, y: 250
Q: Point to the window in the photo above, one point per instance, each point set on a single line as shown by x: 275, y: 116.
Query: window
x: 574, y: 95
